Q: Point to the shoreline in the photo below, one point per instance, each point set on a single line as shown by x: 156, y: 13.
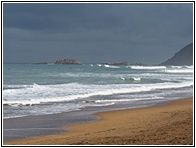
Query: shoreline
x: 43, y: 125
x: 165, y: 124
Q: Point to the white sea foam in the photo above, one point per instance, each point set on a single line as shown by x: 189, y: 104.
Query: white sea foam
x: 122, y: 78
x: 191, y: 66
x: 111, y: 66
x: 99, y: 65
x: 131, y: 79
x: 136, y: 79
x: 128, y: 100
x: 176, y: 66
x: 148, y: 67
x: 179, y: 70
x: 73, y: 91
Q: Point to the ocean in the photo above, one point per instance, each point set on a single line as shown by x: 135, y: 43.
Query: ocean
x: 39, y: 89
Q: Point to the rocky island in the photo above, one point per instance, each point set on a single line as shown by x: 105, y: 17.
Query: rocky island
x: 67, y: 61
x: 117, y: 63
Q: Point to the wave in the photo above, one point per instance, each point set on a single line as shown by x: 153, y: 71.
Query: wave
x: 7, y: 87
x: 169, y: 69
x: 20, y: 103
x: 191, y: 66
x: 132, y: 79
x: 160, y: 67
x: 42, y: 94
x: 111, y: 66
x: 99, y: 65
x: 107, y: 66
x: 150, y: 79
x: 184, y: 66
x: 148, y: 67
x: 179, y: 70
x: 137, y: 79
x: 128, y: 100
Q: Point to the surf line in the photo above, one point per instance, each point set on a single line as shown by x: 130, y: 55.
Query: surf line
x: 29, y: 128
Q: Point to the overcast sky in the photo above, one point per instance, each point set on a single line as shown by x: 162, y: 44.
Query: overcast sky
x: 149, y: 33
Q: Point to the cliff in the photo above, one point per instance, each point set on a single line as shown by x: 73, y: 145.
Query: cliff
x: 67, y: 61
x: 183, y: 57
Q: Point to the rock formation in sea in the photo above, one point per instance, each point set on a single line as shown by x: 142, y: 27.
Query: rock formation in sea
x: 67, y: 61
x: 183, y: 57
x: 117, y: 63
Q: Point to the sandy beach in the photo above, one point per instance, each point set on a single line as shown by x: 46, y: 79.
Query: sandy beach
x: 168, y: 124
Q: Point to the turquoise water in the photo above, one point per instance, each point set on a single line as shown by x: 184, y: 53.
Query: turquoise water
x: 33, y: 89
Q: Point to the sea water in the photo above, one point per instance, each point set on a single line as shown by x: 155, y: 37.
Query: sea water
x: 38, y: 89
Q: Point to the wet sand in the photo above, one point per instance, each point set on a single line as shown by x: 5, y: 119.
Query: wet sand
x: 168, y: 124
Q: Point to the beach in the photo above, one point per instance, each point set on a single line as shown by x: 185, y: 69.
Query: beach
x: 97, y: 74
x: 167, y: 124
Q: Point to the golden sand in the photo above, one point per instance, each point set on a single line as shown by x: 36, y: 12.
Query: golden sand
x: 169, y: 124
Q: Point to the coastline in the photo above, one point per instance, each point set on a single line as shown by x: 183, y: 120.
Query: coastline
x: 166, y: 124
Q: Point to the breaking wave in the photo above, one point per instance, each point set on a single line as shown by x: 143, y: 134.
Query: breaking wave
x: 148, y: 67
x: 40, y: 94
x: 111, y: 66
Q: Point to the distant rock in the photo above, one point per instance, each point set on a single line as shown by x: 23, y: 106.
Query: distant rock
x: 117, y: 63
x: 183, y: 57
x: 139, y: 64
x: 67, y: 61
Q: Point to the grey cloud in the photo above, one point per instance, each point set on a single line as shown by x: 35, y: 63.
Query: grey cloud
x: 51, y: 16
x: 72, y: 17
x: 96, y: 31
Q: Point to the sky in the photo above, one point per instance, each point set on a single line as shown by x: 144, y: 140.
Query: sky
x: 147, y: 33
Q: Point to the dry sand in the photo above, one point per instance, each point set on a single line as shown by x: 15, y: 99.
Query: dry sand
x: 169, y: 124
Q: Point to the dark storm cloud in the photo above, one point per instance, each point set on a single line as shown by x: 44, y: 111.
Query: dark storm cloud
x: 53, y: 16
x: 96, y: 32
